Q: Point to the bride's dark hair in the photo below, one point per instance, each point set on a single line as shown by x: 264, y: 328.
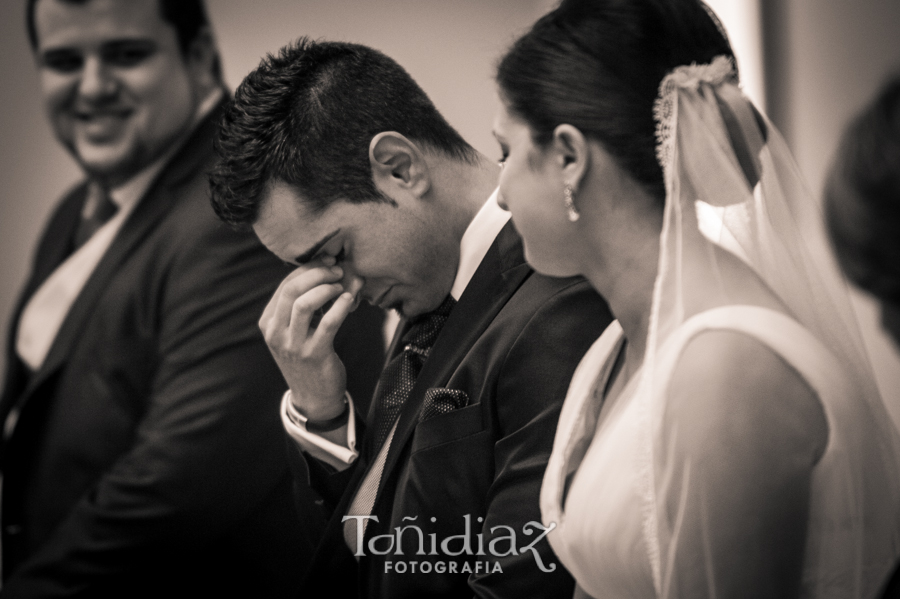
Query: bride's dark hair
x: 597, y: 65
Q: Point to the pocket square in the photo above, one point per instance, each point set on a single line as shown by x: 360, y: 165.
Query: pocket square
x: 441, y: 400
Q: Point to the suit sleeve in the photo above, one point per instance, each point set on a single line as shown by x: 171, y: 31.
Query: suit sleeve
x: 328, y: 482
x: 209, y: 447
x: 531, y: 388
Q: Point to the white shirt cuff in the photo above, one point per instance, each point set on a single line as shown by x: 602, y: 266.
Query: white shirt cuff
x: 337, y: 456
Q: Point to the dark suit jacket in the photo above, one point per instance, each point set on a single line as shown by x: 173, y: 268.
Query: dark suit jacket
x: 511, y: 345
x: 148, y: 458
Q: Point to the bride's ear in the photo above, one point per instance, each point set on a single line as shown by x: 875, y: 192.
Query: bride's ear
x: 573, y: 153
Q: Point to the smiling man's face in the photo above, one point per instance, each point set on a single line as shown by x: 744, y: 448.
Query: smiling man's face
x: 116, y: 87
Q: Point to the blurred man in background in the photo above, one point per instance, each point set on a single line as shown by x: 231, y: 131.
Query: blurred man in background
x: 862, y: 203
x: 142, y: 451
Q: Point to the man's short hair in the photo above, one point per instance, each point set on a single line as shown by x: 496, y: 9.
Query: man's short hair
x: 306, y: 117
x: 186, y: 16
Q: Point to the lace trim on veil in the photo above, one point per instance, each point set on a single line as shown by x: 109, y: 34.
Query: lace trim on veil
x: 665, y: 113
x: 665, y: 109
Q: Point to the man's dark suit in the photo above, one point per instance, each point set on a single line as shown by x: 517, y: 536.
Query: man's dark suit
x: 511, y: 344
x: 148, y: 458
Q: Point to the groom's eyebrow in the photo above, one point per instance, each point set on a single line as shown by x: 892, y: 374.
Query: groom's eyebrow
x: 311, y: 252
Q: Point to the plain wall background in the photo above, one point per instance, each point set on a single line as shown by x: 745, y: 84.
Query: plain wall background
x: 824, y: 58
x: 827, y: 60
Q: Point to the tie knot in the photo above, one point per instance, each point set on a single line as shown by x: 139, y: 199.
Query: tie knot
x: 98, y: 210
x: 100, y: 205
x: 424, y: 330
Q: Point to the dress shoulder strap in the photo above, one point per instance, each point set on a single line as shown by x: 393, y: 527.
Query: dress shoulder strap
x: 782, y: 334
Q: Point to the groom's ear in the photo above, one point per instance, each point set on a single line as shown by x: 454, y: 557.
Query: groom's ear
x: 398, y: 165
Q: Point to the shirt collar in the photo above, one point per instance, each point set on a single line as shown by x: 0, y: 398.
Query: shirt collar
x: 476, y: 241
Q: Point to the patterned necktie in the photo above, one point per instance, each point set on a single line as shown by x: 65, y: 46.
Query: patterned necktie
x: 394, y: 386
x: 104, y: 209
x: 399, y: 376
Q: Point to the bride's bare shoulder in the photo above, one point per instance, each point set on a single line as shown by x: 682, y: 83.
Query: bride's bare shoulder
x: 728, y: 384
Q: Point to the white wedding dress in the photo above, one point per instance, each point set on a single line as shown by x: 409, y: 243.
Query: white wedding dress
x: 599, y: 512
x: 641, y: 513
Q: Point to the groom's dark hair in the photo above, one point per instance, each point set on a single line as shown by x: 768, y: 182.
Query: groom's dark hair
x: 306, y: 117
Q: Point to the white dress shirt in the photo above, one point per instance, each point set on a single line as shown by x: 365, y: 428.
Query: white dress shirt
x: 473, y: 246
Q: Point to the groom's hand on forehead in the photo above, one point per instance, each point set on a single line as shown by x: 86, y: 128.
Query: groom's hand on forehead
x: 302, y: 341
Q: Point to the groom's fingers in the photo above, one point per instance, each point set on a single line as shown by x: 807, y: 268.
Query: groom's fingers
x: 305, y: 306
x: 334, y: 318
x: 295, y: 286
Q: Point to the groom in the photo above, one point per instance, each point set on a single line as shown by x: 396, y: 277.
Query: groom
x: 343, y: 167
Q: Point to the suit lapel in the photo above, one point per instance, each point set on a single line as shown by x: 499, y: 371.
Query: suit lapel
x: 59, y: 238
x: 151, y: 209
x: 499, y: 275
x: 56, y: 244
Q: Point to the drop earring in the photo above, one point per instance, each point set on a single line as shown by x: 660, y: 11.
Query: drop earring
x: 572, y: 211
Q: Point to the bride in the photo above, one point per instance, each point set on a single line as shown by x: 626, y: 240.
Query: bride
x: 724, y: 437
